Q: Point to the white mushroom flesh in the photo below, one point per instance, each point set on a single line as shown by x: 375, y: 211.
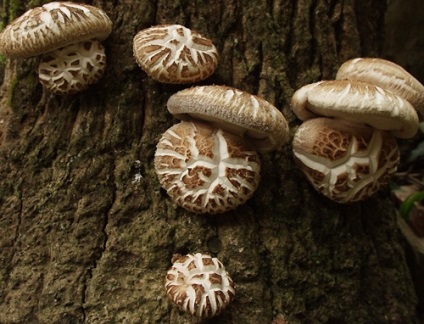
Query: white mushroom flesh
x: 233, y: 110
x: 345, y: 162
x: 205, y: 169
x: 386, y: 75
x: 199, y: 285
x: 72, y: 68
x: 51, y: 26
x: 175, y: 54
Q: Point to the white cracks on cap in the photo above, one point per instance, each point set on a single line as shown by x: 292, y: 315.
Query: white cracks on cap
x: 345, y: 162
x: 73, y: 68
x: 68, y: 34
x: 199, y: 285
x: 205, y: 169
x: 54, y: 25
x: 175, y: 54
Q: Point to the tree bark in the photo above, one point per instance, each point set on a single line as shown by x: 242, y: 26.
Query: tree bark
x: 86, y: 232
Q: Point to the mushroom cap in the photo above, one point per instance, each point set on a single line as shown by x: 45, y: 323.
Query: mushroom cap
x: 175, y: 54
x: 386, y: 75
x: 233, y: 110
x: 199, y: 285
x: 345, y: 162
x: 205, y: 169
x: 51, y: 26
x: 357, y: 102
x: 72, y: 68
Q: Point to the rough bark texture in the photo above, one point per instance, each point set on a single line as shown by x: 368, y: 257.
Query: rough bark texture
x: 87, y: 234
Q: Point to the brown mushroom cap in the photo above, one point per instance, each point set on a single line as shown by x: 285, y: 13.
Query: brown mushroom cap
x: 386, y: 75
x: 175, y: 54
x: 205, y: 169
x: 72, y: 68
x: 52, y: 26
x: 199, y: 285
x: 234, y: 110
x: 344, y: 162
x: 357, y: 102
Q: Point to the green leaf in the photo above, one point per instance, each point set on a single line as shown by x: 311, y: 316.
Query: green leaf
x: 407, y: 205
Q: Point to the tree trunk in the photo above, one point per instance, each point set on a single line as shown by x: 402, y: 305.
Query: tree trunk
x: 87, y: 233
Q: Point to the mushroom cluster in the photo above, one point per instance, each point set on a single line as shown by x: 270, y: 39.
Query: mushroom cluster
x: 175, y: 54
x: 208, y: 163
x: 347, y: 147
x: 199, y: 285
x: 69, y: 35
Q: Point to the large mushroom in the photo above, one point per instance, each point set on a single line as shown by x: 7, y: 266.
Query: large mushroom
x: 236, y: 111
x: 175, y: 54
x: 386, y: 75
x: 205, y: 169
x: 199, y: 285
x: 351, y: 153
x: 69, y: 35
x: 208, y: 162
x: 357, y: 102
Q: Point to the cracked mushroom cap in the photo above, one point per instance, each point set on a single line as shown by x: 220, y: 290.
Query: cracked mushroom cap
x: 345, y: 162
x: 52, y: 26
x: 175, y: 54
x: 199, y: 285
x: 386, y: 75
x: 205, y: 169
x: 72, y: 68
x: 234, y: 110
x: 357, y: 102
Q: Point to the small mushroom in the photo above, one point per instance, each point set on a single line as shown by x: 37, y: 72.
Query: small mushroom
x: 50, y: 29
x: 175, y: 54
x: 343, y: 161
x: 387, y: 75
x: 357, y: 102
x: 199, y: 285
x: 205, y: 169
x: 242, y: 113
